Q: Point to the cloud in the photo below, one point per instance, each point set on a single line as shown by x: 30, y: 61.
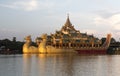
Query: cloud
x: 111, y: 23
x: 29, y: 5
x: 24, y: 5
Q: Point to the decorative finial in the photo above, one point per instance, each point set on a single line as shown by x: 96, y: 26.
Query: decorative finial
x: 68, y: 15
x: 28, y: 37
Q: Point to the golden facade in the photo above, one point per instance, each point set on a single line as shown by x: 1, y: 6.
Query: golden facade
x: 69, y: 37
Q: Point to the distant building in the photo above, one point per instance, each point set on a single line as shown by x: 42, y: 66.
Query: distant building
x: 14, y: 39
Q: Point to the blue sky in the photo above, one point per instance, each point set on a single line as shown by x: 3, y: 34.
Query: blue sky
x: 19, y: 18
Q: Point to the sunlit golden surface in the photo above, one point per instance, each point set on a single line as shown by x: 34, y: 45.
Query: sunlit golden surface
x: 66, y: 37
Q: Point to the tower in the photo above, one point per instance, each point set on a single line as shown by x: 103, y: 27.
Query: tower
x: 68, y: 27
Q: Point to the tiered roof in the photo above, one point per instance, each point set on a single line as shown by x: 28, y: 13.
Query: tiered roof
x: 68, y: 33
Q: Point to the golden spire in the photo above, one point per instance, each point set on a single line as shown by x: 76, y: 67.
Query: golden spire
x: 68, y: 23
x: 68, y: 15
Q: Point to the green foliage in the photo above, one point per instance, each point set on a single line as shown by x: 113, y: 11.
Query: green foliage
x: 14, y: 46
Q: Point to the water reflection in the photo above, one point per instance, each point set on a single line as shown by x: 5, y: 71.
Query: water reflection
x: 55, y: 65
x: 47, y: 64
x: 113, y: 64
x: 59, y: 65
x: 27, y: 65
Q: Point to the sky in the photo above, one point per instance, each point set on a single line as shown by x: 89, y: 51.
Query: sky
x: 20, y: 18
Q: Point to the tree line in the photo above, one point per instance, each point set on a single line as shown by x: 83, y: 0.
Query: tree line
x: 11, y: 46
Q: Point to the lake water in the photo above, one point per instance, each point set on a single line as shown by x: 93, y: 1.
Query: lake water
x: 59, y: 65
